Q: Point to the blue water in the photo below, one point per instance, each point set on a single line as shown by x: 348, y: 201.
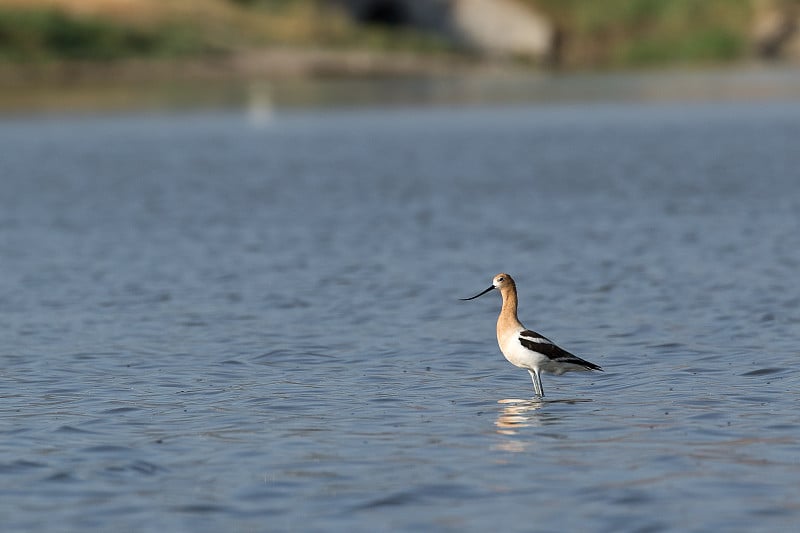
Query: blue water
x: 211, y: 323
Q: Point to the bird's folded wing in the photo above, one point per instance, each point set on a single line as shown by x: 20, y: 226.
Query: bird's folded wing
x: 541, y: 344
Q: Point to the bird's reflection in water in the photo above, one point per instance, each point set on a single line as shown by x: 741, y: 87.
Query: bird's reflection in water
x: 517, y: 414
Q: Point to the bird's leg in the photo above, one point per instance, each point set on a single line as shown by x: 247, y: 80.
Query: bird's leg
x: 537, y: 383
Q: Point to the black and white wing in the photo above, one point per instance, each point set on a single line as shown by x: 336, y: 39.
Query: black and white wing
x: 541, y: 344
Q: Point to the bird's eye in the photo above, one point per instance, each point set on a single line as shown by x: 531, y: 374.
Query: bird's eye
x: 501, y: 279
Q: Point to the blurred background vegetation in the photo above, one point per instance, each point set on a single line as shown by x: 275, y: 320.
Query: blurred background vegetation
x: 591, y: 33
x: 46, y: 30
x: 647, y: 32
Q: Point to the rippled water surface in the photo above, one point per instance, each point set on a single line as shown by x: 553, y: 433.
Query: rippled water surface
x: 215, y: 323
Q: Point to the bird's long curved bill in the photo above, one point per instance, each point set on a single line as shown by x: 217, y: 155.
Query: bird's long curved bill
x: 480, y: 294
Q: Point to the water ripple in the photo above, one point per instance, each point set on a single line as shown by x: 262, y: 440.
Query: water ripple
x: 284, y: 347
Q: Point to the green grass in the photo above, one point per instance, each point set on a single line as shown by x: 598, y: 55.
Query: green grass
x: 647, y: 32
x: 34, y: 36
x: 716, y: 45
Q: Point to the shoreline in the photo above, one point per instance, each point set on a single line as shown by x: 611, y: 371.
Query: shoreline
x: 292, y: 78
x: 273, y: 63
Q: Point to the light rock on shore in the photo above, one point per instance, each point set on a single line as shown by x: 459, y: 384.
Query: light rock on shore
x: 776, y: 29
x: 503, y: 27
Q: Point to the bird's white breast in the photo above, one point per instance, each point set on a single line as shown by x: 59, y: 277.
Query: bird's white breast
x: 516, y: 353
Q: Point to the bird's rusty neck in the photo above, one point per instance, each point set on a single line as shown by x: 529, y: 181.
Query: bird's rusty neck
x: 508, y: 314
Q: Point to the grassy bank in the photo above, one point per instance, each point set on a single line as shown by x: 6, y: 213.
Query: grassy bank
x: 594, y: 34
x: 52, y: 30
x: 634, y: 33
x: 51, y: 34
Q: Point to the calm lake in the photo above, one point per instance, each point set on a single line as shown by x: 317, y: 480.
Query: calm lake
x: 244, y: 320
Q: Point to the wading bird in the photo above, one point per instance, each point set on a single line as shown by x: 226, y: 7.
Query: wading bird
x: 525, y: 348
